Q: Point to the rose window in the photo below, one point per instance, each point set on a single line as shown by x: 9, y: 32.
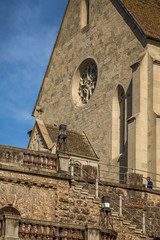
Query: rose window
x: 84, y: 82
x: 88, y: 81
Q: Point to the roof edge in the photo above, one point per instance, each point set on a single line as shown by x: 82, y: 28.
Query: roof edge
x: 44, y: 133
x: 152, y: 38
x: 30, y: 137
x: 45, y: 75
x: 132, y: 18
x: 84, y: 157
x: 90, y: 145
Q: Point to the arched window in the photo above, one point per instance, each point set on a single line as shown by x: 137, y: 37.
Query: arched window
x: 84, y: 13
x: 118, y: 122
x: 121, y: 100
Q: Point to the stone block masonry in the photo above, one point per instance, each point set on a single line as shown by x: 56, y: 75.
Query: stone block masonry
x: 113, y: 51
x: 57, y: 200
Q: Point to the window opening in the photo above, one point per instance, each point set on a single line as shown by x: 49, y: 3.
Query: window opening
x: 121, y: 99
x: 84, y: 13
x: 118, y: 122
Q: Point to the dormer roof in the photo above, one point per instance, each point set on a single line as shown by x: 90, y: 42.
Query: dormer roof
x: 78, y: 143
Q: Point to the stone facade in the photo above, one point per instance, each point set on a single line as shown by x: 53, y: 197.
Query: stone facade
x: 102, y: 56
x: 125, y: 60
x: 114, y: 52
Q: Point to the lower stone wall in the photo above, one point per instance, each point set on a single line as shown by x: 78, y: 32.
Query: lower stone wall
x: 34, y: 197
x: 57, y: 199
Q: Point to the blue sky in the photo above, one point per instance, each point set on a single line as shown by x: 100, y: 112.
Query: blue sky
x: 28, y: 29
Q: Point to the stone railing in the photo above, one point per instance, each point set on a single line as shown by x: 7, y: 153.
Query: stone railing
x: 39, y: 160
x: 108, y: 235
x: 42, y: 231
x: 24, y: 157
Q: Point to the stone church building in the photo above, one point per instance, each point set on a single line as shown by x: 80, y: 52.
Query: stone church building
x: 96, y: 135
x: 103, y: 79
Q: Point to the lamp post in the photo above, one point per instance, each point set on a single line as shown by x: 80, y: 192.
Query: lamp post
x: 62, y: 130
x: 105, y: 214
x: 62, y: 139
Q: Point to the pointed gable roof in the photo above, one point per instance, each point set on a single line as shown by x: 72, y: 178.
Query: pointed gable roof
x: 147, y: 15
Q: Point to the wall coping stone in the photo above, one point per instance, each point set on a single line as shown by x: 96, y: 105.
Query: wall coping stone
x: 49, y: 223
x: 37, y: 172
x: 27, y: 151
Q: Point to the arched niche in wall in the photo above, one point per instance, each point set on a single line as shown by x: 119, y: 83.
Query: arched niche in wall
x: 9, y: 210
x: 84, y: 13
x: 9, y: 217
x: 118, y: 121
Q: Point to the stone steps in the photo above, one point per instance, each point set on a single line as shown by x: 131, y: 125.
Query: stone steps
x: 115, y: 215
x: 133, y: 227
x: 143, y: 236
x: 78, y: 187
x: 138, y: 231
x: 86, y: 192
x: 90, y: 196
x: 126, y: 222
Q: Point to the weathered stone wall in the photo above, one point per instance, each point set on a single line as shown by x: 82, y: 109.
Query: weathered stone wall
x: 112, y: 43
x: 34, y: 197
x: 56, y: 199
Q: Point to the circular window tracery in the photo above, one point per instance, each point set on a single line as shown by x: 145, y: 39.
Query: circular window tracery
x: 84, y: 82
x: 87, y: 83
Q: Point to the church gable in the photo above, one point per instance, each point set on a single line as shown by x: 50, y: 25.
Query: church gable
x: 100, y: 51
x: 83, y: 16
x: 79, y: 29
x: 104, y: 45
x: 37, y: 142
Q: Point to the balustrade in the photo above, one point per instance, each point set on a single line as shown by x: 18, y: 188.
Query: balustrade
x: 108, y: 236
x: 27, y: 157
x: 47, y: 232
x: 40, y: 161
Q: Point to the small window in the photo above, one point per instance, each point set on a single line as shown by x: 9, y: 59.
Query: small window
x: 84, y: 13
x: 118, y: 122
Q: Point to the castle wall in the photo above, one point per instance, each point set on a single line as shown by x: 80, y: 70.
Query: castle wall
x: 47, y: 197
x: 55, y: 200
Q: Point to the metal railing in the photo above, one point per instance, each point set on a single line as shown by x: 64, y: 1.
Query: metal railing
x: 107, y: 173
x: 99, y: 182
x: 122, y: 170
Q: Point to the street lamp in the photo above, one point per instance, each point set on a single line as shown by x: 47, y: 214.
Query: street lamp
x: 105, y: 214
x: 62, y: 131
x: 62, y: 139
x: 106, y: 201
